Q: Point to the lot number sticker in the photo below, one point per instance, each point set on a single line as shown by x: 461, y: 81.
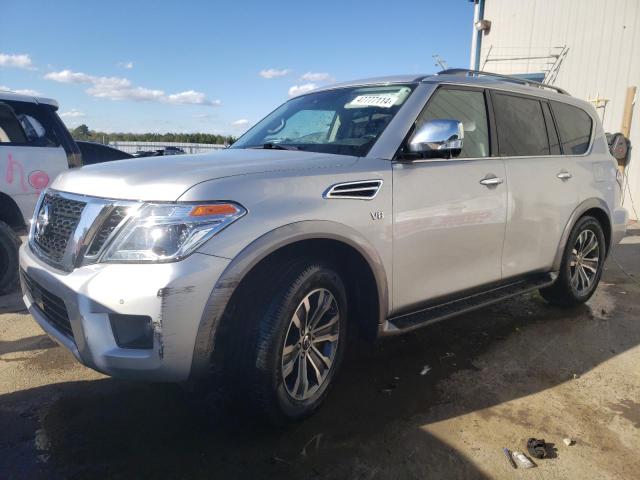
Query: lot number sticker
x: 384, y: 100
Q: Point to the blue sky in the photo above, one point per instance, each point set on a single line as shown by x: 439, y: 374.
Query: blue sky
x: 213, y: 66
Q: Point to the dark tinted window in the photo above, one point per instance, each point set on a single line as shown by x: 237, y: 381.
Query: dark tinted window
x: 554, y: 141
x: 574, y: 125
x: 521, y: 126
x: 98, y: 153
x: 468, y: 107
x: 36, y: 122
x: 10, y: 129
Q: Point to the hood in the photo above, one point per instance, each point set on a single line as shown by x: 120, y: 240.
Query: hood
x: 166, y: 178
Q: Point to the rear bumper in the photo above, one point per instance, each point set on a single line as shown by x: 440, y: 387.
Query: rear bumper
x: 174, y: 295
x: 619, y: 225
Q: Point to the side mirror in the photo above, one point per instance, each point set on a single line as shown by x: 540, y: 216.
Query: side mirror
x: 438, y: 139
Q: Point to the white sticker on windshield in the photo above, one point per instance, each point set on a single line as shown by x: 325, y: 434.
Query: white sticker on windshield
x: 384, y: 100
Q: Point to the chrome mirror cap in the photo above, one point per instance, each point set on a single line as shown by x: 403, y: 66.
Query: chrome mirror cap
x: 438, y: 138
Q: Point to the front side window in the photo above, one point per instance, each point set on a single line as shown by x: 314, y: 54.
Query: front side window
x: 466, y: 106
x: 521, y: 127
x: 345, y: 121
x: 575, y: 126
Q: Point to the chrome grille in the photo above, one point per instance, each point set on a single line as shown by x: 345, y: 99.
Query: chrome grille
x: 71, y: 230
x: 106, y: 229
x: 64, y: 215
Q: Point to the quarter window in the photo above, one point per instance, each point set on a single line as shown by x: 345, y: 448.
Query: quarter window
x: 521, y: 127
x: 574, y: 125
x: 468, y: 107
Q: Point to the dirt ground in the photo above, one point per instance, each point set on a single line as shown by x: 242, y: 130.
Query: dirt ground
x: 494, y: 378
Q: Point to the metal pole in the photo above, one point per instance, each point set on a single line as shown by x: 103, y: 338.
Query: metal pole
x: 476, y: 36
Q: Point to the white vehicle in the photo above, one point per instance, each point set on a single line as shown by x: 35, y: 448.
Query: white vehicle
x: 35, y: 147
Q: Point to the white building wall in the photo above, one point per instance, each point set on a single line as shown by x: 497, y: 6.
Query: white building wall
x: 602, y: 39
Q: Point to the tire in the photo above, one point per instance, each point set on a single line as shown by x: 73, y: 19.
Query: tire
x: 582, y: 264
x: 282, y: 349
x: 9, y: 244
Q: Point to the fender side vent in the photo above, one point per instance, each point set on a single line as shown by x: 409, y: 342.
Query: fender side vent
x: 360, y: 190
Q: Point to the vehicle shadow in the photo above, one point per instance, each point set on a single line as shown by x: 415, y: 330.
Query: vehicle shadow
x: 12, y: 302
x: 371, y: 423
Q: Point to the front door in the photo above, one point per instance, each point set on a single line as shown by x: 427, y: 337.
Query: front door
x: 449, y: 214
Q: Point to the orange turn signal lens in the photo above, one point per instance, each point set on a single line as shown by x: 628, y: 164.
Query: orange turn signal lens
x: 214, y: 209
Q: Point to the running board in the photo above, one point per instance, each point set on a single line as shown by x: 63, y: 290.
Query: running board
x: 435, y: 313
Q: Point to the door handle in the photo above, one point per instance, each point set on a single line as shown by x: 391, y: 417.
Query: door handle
x: 564, y: 175
x: 491, y: 181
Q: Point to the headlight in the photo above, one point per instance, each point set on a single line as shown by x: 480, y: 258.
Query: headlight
x: 167, y: 233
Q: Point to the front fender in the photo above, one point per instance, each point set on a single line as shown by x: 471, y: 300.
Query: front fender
x: 259, y: 249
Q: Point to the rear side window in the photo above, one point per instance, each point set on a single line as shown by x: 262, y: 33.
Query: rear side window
x: 575, y: 126
x: 521, y: 127
x: 34, y: 128
x: 10, y: 129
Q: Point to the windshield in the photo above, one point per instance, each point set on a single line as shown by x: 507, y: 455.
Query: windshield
x: 344, y: 121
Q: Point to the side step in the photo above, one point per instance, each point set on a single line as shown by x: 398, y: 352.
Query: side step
x: 435, y: 313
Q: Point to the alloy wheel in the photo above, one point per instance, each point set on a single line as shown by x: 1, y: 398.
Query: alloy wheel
x: 584, y: 261
x: 311, y: 344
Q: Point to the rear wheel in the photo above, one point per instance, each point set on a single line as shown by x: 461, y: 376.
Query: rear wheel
x: 9, y: 243
x: 581, y: 267
x: 300, y: 341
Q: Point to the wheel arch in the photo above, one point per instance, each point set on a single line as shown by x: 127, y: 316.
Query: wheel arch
x: 595, y: 207
x: 326, y: 238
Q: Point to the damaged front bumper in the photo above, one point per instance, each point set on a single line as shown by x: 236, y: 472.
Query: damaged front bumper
x: 171, y: 295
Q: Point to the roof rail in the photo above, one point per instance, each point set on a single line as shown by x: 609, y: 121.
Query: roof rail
x: 508, y: 78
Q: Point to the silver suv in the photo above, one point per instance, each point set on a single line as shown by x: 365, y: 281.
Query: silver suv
x: 384, y: 204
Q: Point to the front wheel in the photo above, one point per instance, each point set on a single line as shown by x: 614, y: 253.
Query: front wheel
x: 581, y: 267
x: 300, y: 340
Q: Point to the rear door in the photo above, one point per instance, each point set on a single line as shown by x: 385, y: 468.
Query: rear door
x: 31, y: 152
x: 542, y: 192
x: 449, y: 214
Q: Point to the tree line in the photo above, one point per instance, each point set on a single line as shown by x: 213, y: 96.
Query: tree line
x: 83, y: 133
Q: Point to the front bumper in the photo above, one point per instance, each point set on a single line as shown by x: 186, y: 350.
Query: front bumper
x: 174, y: 295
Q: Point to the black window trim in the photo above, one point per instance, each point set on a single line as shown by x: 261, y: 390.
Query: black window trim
x: 493, y: 136
x: 554, y: 126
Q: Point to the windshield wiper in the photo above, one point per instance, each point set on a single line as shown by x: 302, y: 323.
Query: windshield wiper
x: 279, y: 146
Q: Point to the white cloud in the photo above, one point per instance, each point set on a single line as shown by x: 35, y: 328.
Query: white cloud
x: 191, y: 97
x: 67, y: 76
x: 18, y: 61
x: 24, y: 91
x: 300, y: 89
x: 317, y: 77
x: 119, y: 88
x: 73, y: 113
x: 274, y: 73
x: 127, y: 65
x: 240, y: 123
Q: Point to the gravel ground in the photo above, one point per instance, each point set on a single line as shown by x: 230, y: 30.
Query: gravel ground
x: 494, y: 378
